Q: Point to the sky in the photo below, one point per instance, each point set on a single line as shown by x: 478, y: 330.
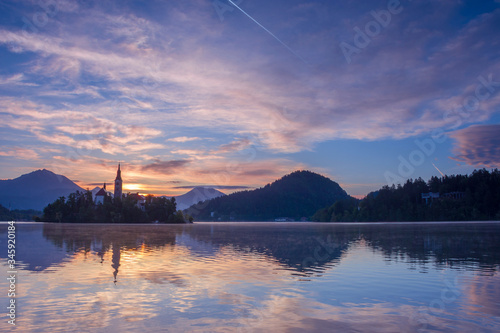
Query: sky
x: 236, y: 94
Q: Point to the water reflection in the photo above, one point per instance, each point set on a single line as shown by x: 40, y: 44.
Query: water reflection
x: 468, y: 246
x: 115, y: 259
x: 299, y: 247
x: 259, y: 277
x: 99, y: 240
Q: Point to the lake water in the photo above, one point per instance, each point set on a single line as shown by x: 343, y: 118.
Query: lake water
x: 255, y: 277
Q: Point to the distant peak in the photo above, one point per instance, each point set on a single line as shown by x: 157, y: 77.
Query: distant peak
x: 42, y: 171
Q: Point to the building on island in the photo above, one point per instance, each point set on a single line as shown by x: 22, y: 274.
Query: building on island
x: 428, y: 197
x: 454, y: 195
x: 118, y: 184
x: 99, y: 196
x: 140, y: 199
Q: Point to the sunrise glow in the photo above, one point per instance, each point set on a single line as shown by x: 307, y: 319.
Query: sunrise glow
x: 249, y: 92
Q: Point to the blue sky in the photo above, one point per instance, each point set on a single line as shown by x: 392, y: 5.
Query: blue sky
x: 187, y: 93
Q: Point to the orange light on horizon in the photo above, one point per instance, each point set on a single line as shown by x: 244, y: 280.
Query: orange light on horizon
x: 133, y: 187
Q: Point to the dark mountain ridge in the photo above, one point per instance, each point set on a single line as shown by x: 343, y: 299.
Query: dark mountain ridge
x: 296, y: 195
x: 35, y: 190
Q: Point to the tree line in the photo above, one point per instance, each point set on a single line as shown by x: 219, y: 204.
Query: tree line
x: 474, y: 197
x: 79, y: 207
x: 17, y: 214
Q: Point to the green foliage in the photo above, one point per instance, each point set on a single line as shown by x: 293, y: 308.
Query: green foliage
x: 296, y: 195
x: 80, y: 208
x: 341, y: 211
x: 5, y: 214
x: 17, y: 214
x: 480, y: 201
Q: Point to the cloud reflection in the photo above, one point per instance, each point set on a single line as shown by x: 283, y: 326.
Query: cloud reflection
x: 252, y: 277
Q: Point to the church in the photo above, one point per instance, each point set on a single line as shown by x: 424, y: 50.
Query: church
x: 99, y: 196
x: 118, y: 194
x: 118, y: 184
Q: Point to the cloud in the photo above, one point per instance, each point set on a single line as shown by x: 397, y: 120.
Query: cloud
x: 184, y: 139
x: 77, y: 129
x: 478, y: 145
x: 234, y: 146
x: 166, y: 167
x: 16, y: 79
x: 20, y: 153
x: 184, y: 79
x: 220, y: 187
x: 256, y: 172
x: 253, y: 172
x: 143, y: 86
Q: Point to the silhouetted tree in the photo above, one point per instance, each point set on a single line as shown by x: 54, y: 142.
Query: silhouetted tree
x: 80, y: 208
x: 462, y: 198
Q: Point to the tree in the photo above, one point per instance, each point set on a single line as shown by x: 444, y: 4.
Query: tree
x: 79, y: 208
x: 462, y: 197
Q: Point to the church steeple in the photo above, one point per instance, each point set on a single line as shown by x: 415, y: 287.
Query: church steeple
x: 119, y: 173
x: 118, y: 184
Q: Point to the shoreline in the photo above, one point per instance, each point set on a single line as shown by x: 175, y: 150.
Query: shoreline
x: 260, y: 222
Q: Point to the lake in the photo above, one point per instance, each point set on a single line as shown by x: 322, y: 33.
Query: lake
x: 255, y: 277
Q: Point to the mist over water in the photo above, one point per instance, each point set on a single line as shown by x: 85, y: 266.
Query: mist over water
x: 254, y: 277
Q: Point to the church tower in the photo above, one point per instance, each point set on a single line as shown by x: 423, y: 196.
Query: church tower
x: 118, y: 184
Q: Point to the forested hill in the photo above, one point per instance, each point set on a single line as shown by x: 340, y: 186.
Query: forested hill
x: 299, y: 194
x: 473, y: 197
x: 18, y: 215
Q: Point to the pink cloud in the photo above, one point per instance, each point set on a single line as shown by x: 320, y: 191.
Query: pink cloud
x: 21, y: 153
x: 478, y: 145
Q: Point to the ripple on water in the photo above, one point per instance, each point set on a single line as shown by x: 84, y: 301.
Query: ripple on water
x: 267, y: 278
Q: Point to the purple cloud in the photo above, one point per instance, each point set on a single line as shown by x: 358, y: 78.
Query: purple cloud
x: 138, y: 83
x: 219, y: 187
x: 166, y: 167
x: 478, y: 145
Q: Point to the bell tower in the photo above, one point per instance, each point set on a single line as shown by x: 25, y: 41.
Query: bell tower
x: 118, y: 184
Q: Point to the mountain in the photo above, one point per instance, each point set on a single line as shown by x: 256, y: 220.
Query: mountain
x: 299, y: 194
x: 196, y: 195
x: 94, y: 191
x: 35, y: 190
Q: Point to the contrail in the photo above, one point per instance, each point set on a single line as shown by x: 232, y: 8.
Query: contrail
x: 269, y: 32
x: 442, y: 174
